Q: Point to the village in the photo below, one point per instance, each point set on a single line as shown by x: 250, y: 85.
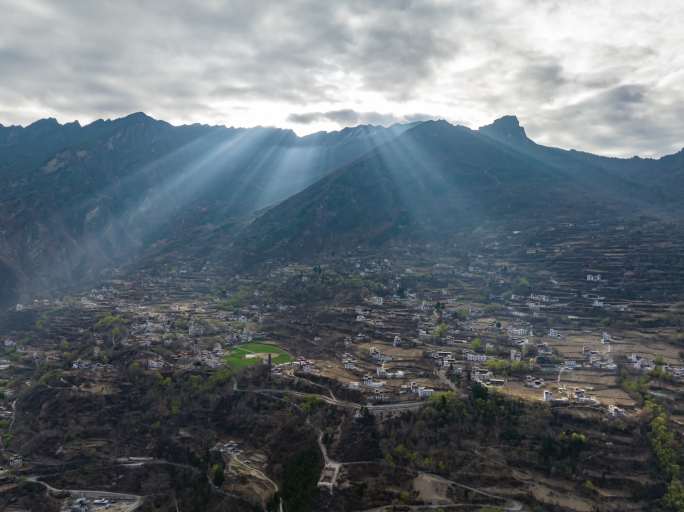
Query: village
x: 388, y: 334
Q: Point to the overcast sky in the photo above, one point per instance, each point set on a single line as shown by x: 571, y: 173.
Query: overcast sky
x: 604, y: 76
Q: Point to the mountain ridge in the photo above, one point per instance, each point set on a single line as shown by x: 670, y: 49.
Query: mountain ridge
x: 78, y: 199
x: 75, y: 200
x: 508, y: 120
x: 495, y: 172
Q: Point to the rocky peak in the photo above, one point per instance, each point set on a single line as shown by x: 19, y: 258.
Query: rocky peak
x: 506, y: 129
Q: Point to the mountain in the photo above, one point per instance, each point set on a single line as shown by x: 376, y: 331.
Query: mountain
x: 506, y: 129
x: 436, y: 179
x: 664, y: 177
x: 76, y: 199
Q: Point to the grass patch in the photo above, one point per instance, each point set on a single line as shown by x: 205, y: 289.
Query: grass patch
x: 246, y: 355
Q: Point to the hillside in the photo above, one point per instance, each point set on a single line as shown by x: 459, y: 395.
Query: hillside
x: 437, y: 179
x: 78, y: 199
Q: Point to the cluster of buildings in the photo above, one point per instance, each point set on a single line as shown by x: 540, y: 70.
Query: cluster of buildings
x: 229, y: 448
x: 82, y: 364
x: 485, y: 377
x: 422, y: 392
x: 599, y: 360
x: 576, y: 395
x: 641, y: 363
x: 303, y: 365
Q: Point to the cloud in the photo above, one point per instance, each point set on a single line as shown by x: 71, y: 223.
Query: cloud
x: 321, y: 65
x: 349, y: 117
x: 618, y: 121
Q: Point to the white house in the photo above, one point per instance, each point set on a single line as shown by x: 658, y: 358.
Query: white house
x: 543, y: 349
x: 580, y: 393
x: 531, y: 382
x: 615, y: 411
x: 643, y: 364
x: 446, y: 362
x: 155, y: 364
x: 481, y: 375
x: 424, y: 392
x: 478, y: 358
x: 517, y: 331
x: 442, y: 354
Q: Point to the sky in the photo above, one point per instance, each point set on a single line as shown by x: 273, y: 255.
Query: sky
x: 597, y: 75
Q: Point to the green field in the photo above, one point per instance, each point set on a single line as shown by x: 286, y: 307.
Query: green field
x: 248, y: 355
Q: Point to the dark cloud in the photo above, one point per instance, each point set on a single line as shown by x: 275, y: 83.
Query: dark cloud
x: 541, y: 79
x: 617, y: 121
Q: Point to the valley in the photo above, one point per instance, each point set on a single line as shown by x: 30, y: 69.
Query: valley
x: 499, y: 370
x: 300, y: 256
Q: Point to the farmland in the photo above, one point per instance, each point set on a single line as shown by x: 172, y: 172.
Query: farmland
x: 251, y: 354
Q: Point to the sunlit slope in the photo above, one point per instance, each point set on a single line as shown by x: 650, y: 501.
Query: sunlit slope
x: 432, y: 180
x: 76, y: 199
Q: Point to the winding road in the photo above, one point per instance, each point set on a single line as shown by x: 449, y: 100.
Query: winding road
x: 257, y: 473
x: 134, y: 499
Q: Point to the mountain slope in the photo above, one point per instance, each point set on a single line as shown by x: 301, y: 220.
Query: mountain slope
x: 75, y: 199
x: 663, y: 178
x: 436, y: 179
x: 78, y: 199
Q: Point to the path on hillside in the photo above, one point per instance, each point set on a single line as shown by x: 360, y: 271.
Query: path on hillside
x: 511, y: 505
x: 136, y: 500
x: 331, y: 470
x: 257, y: 473
x: 373, y: 408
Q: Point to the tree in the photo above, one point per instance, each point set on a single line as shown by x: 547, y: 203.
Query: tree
x: 664, y: 444
x: 441, y: 330
x: 113, y: 326
x: 522, y: 286
x: 462, y: 314
x: 479, y: 392
x: 674, y: 497
x: 300, y: 478
x: 217, y: 475
x: 135, y: 371
x: 439, y: 311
